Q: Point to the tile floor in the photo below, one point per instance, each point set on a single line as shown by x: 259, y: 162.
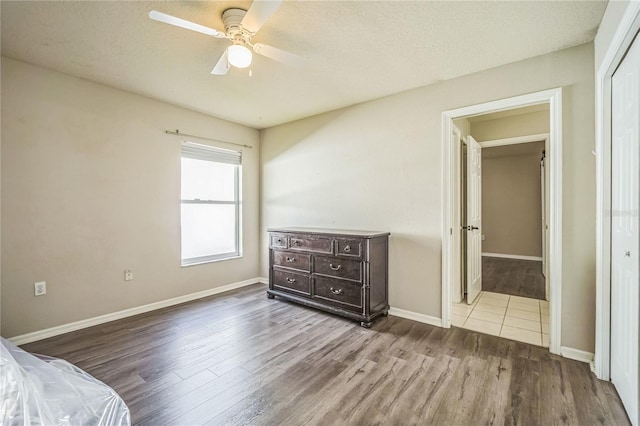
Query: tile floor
x: 512, y: 317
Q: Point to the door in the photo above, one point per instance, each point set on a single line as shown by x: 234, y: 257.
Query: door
x: 474, y: 216
x: 625, y: 237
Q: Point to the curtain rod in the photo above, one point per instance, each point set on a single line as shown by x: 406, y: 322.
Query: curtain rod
x: 177, y: 133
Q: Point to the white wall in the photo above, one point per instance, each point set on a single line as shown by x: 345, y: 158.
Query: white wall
x: 377, y: 166
x: 91, y: 187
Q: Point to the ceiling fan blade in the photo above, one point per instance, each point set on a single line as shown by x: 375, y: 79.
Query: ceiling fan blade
x: 259, y: 12
x: 222, y: 67
x: 278, y: 55
x: 178, y: 22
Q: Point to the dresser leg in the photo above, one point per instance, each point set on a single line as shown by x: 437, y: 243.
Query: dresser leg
x: 385, y: 314
x: 270, y: 296
x: 365, y: 324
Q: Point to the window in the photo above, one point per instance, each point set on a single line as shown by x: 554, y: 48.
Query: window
x: 210, y: 203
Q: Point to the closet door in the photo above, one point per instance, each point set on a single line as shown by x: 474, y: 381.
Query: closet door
x: 625, y: 236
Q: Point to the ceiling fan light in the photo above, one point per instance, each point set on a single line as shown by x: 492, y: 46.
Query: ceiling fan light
x: 239, y: 55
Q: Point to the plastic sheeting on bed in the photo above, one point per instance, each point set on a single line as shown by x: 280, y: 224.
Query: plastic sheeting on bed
x: 40, y: 390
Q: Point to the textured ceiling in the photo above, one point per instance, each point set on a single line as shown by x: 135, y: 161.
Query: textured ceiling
x: 355, y: 50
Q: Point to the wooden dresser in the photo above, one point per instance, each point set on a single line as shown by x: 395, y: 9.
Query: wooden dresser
x: 342, y: 272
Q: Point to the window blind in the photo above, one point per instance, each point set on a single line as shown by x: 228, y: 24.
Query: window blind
x: 209, y: 153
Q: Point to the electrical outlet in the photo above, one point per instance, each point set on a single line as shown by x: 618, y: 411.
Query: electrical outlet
x: 128, y: 275
x: 482, y: 237
x: 40, y: 288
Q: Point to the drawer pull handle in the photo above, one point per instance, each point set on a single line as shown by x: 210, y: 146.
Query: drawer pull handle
x: 296, y: 242
x: 335, y: 267
x: 290, y: 259
x: 347, y: 248
x: 336, y: 291
x: 291, y: 280
x: 278, y: 241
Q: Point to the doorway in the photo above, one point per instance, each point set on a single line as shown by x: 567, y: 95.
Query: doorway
x: 453, y: 241
x: 503, y: 216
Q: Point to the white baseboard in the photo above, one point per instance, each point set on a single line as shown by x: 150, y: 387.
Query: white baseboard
x: 263, y: 280
x: 513, y: 256
x: 89, y: 322
x: 427, y: 319
x: 576, y: 354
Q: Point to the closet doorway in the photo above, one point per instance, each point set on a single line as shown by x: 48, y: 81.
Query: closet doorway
x: 513, y: 231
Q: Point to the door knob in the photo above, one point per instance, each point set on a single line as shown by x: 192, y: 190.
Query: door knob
x: 627, y: 253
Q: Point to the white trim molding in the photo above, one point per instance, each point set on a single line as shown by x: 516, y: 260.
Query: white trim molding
x: 414, y: 316
x: 449, y: 181
x: 622, y: 39
x: 263, y: 280
x: 516, y: 140
x: 576, y: 354
x: 513, y: 256
x: 89, y: 322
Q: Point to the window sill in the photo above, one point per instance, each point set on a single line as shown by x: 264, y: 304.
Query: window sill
x: 186, y: 265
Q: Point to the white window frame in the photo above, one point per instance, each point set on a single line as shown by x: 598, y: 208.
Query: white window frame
x: 217, y: 155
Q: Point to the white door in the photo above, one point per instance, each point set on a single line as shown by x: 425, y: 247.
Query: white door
x: 474, y: 216
x: 625, y: 237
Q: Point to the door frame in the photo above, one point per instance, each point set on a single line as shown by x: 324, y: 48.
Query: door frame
x: 628, y: 27
x: 450, y: 180
x: 539, y: 137
x: 458, y: 271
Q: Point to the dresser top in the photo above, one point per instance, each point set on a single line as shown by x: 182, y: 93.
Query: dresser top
x: 325, y: 231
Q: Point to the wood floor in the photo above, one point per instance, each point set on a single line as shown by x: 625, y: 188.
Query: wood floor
x: 240, y: 358
x: 513, y: 276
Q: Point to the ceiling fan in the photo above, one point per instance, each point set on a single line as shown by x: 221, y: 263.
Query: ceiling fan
x: 239, y: 26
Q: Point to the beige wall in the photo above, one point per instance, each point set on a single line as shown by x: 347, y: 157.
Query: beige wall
x: 463, y: 125
x: 533, y: 123
x: 511, y: 200
x: 377, y: 165
x: 91, y: 187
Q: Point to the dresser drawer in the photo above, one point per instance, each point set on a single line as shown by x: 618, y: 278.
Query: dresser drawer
x: 311, y: 244
x: 288, y: 259
x: 292, y: 281
x: 277, y: 241
x: 343, y: 292
x: 349, y: 248
x: 341, y: 268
